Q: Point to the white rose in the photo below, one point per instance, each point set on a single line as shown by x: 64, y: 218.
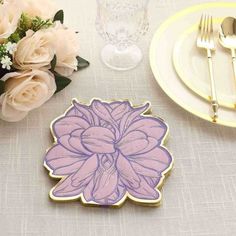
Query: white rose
x: 25, y: 91
x: 44, y: 9
x: 35, y: 50
x: 10, y: 13
x: 66, y: 48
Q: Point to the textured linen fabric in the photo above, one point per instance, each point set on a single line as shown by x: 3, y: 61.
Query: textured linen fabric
x: 199, y: 198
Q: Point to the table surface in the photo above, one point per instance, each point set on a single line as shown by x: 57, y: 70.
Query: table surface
x: 199, y: 198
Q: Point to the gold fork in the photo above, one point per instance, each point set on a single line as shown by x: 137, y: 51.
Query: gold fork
x: 205, y: 40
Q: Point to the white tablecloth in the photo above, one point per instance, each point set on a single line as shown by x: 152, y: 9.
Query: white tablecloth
x: 199, y: 198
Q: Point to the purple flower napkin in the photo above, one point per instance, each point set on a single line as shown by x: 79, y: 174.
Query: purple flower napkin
x: 105, y: 153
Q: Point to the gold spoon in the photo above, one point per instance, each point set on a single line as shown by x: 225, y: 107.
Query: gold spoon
x: 228, y: 38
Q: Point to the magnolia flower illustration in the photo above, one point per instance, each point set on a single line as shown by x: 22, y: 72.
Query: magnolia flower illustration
x: 107, y: 152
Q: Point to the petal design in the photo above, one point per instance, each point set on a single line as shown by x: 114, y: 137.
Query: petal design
x: 120, y: 110
x: 116, y: 195
x: 145, y: 191
x: 73, y: 111
x: 89, y: 116
x: 86, y: 171
x: 98, y: 140
x: 95, y: 118
x: 112, y: 199
x: 64, y: 141
x: 87, y: 193
x: 136, y: 142
x: 73, y: 144
x: 153, y: 182
x: 141, y: 170
x: 102, y: 112
x: 158, y: 159
x: 129, y: 117
x: 65, y: 189
x: 69, y: 169
x: 106, y: 183
x: 115, y: 104
x: 151, y: 127
x: 66, y: 125
x: 76, y: 142
x: 85, y: 111
x: 127, y: 173
x: 74, y: 184
x: 62, y: 161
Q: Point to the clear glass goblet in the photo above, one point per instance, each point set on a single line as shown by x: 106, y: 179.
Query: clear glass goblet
x: 121, y: 23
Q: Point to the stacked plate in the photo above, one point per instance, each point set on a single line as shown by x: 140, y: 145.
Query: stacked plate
x: 181, y: 69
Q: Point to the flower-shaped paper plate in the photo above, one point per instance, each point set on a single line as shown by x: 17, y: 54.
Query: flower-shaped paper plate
x: 107, y: 152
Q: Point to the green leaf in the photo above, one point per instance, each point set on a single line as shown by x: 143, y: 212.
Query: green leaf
x: 82, y: 63
x: 61, y: 82
x: 2, y: 86
x: 26, y: 23
x: 59, y: 16
x: 14, y: 38
x: 53, y: 63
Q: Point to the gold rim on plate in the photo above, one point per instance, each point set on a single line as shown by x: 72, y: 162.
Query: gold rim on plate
x: 155, y: 69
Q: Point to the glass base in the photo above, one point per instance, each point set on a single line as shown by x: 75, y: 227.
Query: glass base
x: 121, y: 60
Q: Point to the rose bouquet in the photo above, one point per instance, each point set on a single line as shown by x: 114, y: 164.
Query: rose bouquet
x: 37, y: 55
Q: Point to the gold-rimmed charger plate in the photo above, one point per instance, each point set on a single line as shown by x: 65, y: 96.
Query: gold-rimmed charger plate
x: 191, y: 65
x: 161, y: 52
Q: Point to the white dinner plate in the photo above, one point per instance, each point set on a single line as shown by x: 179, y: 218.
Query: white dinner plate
x: 161, y: 52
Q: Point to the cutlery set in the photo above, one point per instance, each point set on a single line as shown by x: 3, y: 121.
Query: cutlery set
x: 205, y: 40
x: 190, y: 59
x: 228, y: 38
